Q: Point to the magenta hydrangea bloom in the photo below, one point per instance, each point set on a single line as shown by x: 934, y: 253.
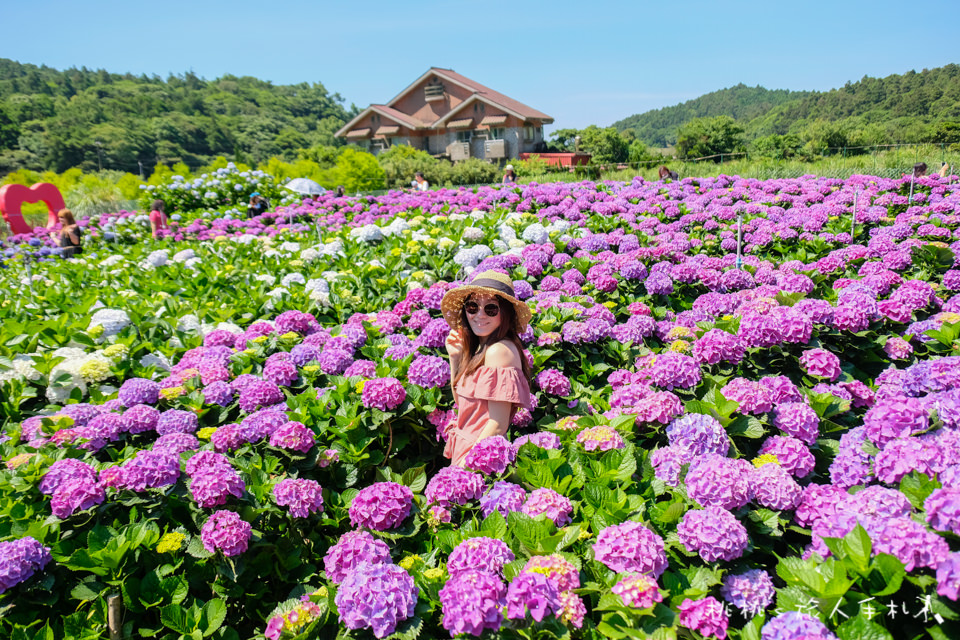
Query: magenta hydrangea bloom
x: 429, y: 372
x: 547, y: 501
x: 259, y: 394
x: 211, y: 486
x: 491, y: 456
x: 532, y: 593
x: 631, y: 547
x: 556, y: 568
x: 821, y: 364
x: 76, y: 494
x: 229, y: 437
x: 714, y: 533
x: 753, y: 397
x: 381, y: 506
x: 717, y: 346
x: 63, y: 470
x: 705, y: 616
x: 138, y: 391
x: 140, y: 418
x: 715, y: 480
x: 504, y: 497
x: 600, y: 438
x: 379, y: 596
x: 911, y: 543
x: 293, y: 436
x: 353, y: 548
x: 554, y: 383
x: 479, y: 554
x: 895, y: 418
x: 471, y: 602
x: 794, y: 625
x: 798, y: 420
x: 773, y: 487
x: 948, y: 576
x: 698, y: 433
x: 20, y: 559
x: 542, y: 439
x: 454, y: 485
x: 672, y: 370
x: 177, y: 421
x: 226, y: 531
x: 147, y: 470
x: 818, y: 501
x: 943, y: 509
x: 791, y: 454
x: 751, y: 591
x: 638, y: 591
x: 300, y: 495
x: 385, y: 394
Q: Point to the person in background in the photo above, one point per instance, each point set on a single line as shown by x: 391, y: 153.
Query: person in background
x: 919, y: 169
x: 509, y: 175
x: 489, y: 372
x: 158, y: 219
x: 340, y: 191
x: 69, y: 238
x: 665, y: 173
x: 258, y: 205
x: 944, y: 170
x: 419, y: 182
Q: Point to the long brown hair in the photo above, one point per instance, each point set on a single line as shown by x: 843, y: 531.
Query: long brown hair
x: 475, y: 349
x: 66, y: 216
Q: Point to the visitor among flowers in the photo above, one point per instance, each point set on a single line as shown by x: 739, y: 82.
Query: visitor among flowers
x: 488, y: 371
x: 158, y: 219
x: 69, y: 237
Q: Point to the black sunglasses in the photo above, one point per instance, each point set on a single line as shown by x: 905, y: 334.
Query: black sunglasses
x: 472, y: 308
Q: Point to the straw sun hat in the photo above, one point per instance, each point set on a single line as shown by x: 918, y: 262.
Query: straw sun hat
x: 491, y: 283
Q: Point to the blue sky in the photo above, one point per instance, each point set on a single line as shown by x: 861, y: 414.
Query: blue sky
x: 581, y: 62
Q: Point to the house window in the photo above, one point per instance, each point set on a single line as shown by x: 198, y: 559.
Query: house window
x: 496, y: 133
x: 528, y: 133
x: 464, y: 136
x: 433, y: 91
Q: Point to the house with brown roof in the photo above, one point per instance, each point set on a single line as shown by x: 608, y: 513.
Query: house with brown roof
x: 447, y: 114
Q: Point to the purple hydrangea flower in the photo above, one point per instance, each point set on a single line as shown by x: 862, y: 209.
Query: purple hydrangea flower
x: 504, y: 497
x: 797, y: 419
x: 226, y: 531
x: 794, y: 625
x: 63, y: 470
x: 943, y: 509
x: 542, y: 439
x: 948, y: 576
x: 751, y: 591
x: 821, y: 364
x: 140, y: 418
x: 638, y: 591
x: 547, y: 501
x: 148, y: 469
x: 76, y: 494
x: 532, y: 593
x: 352, y: 549
x: 631, y: 547
x: 385, y: 394
x: 219, y: 393
x: 554, y: 383
x: 138, y: 391
x: 454, y: 485
x: 491, y: 456
x: 714, y: 533
x: 773, y: 487
x: 381, y: 506
x: 473, y: 601
x: 698, y: 433
x: 378, y: 596
x: 177, y: 421
x: 259, y: 394
x: 705, y: 616
x: 300, y: 495
x: 911, y: 543
x: 600, y: 438
x: 479, y: 554
x: 176, y: 443
x: 429, y: 372
x: 210, y: 485
x: 791, y: 454
x: 557, y: 568
x: 20, y: 559
x: 715, y: 480
x: 895, y: 418
x: 293, y: 436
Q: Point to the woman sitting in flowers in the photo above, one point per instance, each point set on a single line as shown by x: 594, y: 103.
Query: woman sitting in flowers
x: 488, y: 371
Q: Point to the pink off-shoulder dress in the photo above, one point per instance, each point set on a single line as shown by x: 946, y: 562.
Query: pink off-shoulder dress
x: 503, y: 384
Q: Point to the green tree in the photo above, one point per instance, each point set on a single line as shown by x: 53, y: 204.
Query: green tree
x: 705, y: 137
x: 400, y: 162
x: 359, y: 171
x: 605, y: 145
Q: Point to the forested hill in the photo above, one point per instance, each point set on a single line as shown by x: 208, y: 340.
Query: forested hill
x: 658, y: 128
x: 52, y: 119
x: 898, y: 108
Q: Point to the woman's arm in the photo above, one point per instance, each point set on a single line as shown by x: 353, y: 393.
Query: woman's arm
x: 501, y: 355
x: 74, y: 238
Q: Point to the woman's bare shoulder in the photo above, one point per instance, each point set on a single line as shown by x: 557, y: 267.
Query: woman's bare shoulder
x: 502, y: 354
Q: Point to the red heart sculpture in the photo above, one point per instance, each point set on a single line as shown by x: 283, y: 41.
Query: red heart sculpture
x: 12, y: 197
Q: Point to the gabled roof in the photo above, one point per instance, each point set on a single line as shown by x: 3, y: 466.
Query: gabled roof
x: 478, y: 97
x: 389, y: 112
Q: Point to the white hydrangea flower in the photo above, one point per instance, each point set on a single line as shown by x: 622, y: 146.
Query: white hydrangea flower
x: 445, y: 243
x: 320, y: 297
x: 396, y: 227
x: 21, y: 369
x: 500, y: 246
x: 330, y: 276
x: 476, y: 214
x: 456, y: 217
x: 367, y: 233
x: 158, y: 258
x: 472, y: 234
x: 183, y: 256
x: 318, y: 285
x: 517, y: 244
x: 188, y: 322
x: 246, y: 238
x: 229, y: 326
x: 291, y: 278
x: 419, y: 236
x: 376, y: 263
x: 111, y: 261
x: 278, y: 292
x: 271, y: 253
x: 333, y: 248
x: 113, y: 321
x: 507, y: 233
x: 157, y: 360
x: 309, y: 255
x: 265, y: 277
x: 559, y: 226
x: 536, y: 233
x: 290, y: 247
x: 193, y: 263
x: 470, y: 257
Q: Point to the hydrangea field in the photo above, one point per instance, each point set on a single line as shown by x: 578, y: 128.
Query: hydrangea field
x: 235, y: 431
